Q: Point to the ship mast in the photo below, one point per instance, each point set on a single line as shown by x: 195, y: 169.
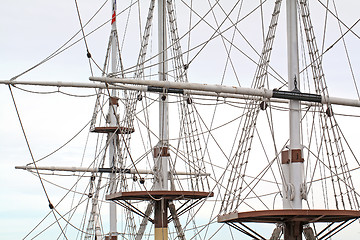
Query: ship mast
x: 161, y: 154
x: 160, y: 196
x: 161, y: 182
x: 293, y: 169
x: 292, y: 160
x: 113, y: 122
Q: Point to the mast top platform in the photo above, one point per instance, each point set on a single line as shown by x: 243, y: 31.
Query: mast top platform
x: 304, y: 216
x: 151, y: 195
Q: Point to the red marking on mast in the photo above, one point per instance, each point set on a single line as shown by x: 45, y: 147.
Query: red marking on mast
x: 113, y: 17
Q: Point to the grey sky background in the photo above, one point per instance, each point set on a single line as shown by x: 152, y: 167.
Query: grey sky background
x: 31, y: 30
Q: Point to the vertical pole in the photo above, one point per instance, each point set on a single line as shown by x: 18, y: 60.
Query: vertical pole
x: 293, y: 166
x: 113, y: 122
x: 161, y: 150
x: 163, y: 67
x: 161, y: 154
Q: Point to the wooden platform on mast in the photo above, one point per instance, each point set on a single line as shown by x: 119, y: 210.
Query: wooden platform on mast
x: 150, y: 195
x: 116, y: 130
x: 303, y: 216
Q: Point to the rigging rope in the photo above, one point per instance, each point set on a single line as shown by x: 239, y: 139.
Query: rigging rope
x: 88, y: 54
x: 339, y: 20
x: 62, y: 48
x: 240, y: 159
x: 33, y: 159
x: 347, y: 54
x: 331, y: 130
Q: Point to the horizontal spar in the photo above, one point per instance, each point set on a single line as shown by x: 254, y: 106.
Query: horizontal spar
x: 187, y: 89
x: 189, y: 86
x: 129, y: 87
x: 70, y: 84
x: 216, y: 90
x: 104, y: 170
x: 136, y: 88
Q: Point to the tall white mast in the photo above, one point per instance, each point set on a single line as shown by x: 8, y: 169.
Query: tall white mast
x: 293, y: 164
x: 161, y: 183
x: 161, y: 152
x: 113, y: 122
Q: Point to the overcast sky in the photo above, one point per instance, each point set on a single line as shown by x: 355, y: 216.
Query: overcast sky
x: 30, y: 31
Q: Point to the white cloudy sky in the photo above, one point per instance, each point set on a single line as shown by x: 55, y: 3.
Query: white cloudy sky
x: 30, y: 31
